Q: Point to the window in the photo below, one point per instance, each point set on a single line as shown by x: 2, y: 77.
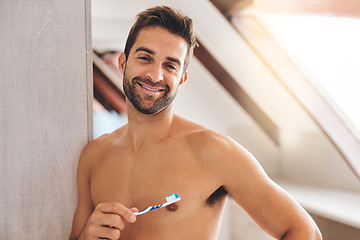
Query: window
x: 327, y: 49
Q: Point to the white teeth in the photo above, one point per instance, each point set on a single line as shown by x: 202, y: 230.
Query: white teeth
x: 151, y: 89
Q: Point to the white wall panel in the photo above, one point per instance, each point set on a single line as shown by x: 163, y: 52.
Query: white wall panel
x: 44, y: 95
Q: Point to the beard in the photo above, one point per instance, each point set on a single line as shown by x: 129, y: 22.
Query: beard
x: 146, y: 104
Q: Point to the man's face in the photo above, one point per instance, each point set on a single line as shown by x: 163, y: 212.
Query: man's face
x: 153, y: 70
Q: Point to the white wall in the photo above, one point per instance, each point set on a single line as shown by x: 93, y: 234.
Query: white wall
x: 44, y: 72
x: 308, y: 157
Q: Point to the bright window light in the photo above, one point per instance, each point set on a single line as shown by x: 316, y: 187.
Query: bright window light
x: 328, y: 51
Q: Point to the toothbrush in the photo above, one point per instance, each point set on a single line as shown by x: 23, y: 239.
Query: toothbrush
x: 170, y: 199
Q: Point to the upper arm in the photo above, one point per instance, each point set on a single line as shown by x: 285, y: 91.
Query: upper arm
x: 84, y: 206
x: 265, y: 202
x: 272, y: 208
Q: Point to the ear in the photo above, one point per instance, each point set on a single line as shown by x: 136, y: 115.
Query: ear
x: 183, y: 79
x: 122, y: 62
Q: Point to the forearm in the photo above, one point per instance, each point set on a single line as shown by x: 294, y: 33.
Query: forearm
x: 76, y: 234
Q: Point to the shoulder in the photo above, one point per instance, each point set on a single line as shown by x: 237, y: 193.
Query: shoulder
x: 210, y: 144
x: 95, y: 149
x: 208, y: 140
x: 195, y: 134
x: 219, y: 152
x: 98, y: 145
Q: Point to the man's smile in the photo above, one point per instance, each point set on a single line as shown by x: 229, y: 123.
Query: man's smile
x: 150, y: 88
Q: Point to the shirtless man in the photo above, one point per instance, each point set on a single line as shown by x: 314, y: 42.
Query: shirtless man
x: 158, y: 153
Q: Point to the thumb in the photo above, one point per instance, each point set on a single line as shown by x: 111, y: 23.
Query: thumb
x: 133, y: 218
x: 134, y: 209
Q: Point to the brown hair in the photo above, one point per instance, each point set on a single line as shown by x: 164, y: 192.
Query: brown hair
x: 173, y: 21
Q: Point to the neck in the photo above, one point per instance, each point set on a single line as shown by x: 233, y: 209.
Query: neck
x: 149, y: 127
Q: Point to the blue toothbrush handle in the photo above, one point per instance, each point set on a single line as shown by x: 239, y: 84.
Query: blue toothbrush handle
x: 170, y: 199
x: 148, y: 209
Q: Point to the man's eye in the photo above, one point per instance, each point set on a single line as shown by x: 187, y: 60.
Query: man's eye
x: 144, y: 58
x: 170, y: 66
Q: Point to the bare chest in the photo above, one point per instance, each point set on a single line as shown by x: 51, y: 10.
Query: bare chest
x: 147, y: 177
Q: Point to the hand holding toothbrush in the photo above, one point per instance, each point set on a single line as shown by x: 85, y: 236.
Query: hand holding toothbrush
x: 107, y: 221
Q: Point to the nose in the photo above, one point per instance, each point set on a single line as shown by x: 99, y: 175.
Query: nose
x: 155, y: 73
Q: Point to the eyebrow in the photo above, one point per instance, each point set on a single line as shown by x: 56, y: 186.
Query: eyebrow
x: 139, y: 49
x: 175, y: 60
x: 171, y: 59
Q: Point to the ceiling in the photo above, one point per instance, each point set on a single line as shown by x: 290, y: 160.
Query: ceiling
x: 112, y: 19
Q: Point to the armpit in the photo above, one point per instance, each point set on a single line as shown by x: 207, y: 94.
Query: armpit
x: 219, y: 193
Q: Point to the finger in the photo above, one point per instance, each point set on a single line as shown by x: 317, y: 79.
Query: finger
x: 106, y: 232
x: 113, y: 220
x: 119, y: 209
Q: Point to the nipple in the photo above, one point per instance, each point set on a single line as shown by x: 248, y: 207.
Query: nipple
x: 172, y: 207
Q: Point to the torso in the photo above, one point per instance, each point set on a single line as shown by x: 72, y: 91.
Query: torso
x: 145, y: 177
